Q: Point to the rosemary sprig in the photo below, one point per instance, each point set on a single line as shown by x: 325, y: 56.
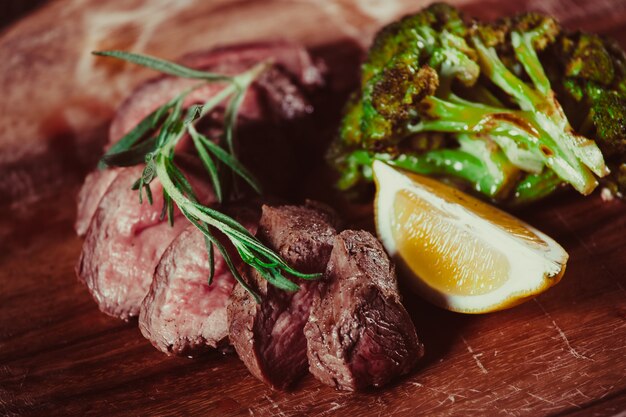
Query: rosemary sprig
x: 166, y: 67
x: 153, y: 141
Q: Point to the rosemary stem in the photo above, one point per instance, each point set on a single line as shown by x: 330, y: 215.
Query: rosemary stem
x: 175, y: 194
x: 188, y: 206
x: 210, y: 104
x: 159, y: 159
x: 235, y: 84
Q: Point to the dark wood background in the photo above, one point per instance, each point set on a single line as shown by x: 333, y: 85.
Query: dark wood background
x: 12, y: 10
x: 563, y: 353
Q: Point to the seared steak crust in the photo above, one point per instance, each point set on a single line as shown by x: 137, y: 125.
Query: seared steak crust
x: 268, y: 336
x: 358, y: 332
x: 302, y: 235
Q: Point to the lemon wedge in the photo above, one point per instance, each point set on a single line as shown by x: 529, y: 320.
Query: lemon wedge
x: 457, y: 251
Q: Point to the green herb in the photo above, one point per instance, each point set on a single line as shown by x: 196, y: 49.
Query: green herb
x: 153, y: 141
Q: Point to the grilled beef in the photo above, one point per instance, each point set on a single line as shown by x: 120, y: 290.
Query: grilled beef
x: 269, y: 116
x: 182, y: 313
x: 125, y: 241
x: 268, y: 336
x: 358, y: 333
x: 292, y: 71
x: 95, y: 185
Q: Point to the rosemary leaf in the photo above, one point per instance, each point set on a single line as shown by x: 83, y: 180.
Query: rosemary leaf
x: 131, y: 156
x: 208, y: 163
x: 148, y: 173
x: 148, y: 123
x: 211, y: 253
x: 166, y: 67
x: 149, y: 193
x: 193, y: 113
x: 228, y: 159
x: 167, y: 132
x: 163, y: 210
x: 223, y: 218
x: 204, y: 229
x: 170, y: 210
x: 295, y: 273
x: 274, y: 277
x: 236, y: 273
x: 230, y: 119
x: 140, y: 188
x: 181, y: 181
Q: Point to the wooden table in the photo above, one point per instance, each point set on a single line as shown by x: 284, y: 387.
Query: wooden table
x: 563, y: 353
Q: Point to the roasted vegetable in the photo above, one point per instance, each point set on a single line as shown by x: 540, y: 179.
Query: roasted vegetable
x: 589, y: 74
x: 491, y: 91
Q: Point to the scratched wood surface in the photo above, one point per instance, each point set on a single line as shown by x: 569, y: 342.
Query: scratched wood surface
x: 562, y: 354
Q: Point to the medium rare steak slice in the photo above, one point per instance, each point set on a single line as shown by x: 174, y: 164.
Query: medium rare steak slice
x: 276, y: 98
x: 182, y: 313
x: 125, y: 241
x: 278, y: 87
x: 275, y: 117
x: 358, y: 332
x: 268, y: 336
x: 94, y: 187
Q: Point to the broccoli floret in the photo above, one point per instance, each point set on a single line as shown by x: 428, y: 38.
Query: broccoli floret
x: 572, y: 157
x: 486, y: 88
x: 408, y: 61
x: 350, y: 129
x: 589, y: 74
x: 412, y: 33
x: 389, y: 99
x: 586, y: 57
x: 608, y: 113
x: 595, y: 84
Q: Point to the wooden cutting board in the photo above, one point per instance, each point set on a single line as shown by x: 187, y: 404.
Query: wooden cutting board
x: 563, y: 353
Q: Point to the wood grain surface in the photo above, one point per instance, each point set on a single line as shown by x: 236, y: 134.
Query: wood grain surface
x: 563, y: 353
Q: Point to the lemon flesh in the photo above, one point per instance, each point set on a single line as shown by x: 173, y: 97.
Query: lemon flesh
x: 457, y: 251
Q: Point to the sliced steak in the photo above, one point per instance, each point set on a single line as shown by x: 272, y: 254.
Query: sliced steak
x: 182, y: 313
x: 293, y: 69
x: 277, y: 100
x: 125, y: 241
x: 268, y: 336
x: 95, y: 185
x: 358, y: 332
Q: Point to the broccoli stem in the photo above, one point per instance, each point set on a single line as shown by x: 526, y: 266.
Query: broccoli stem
x: 519, y: 147
x: 551, y: 115
x: 534, y: 187
x: 496, y: 71
x: 486, y: 169
x: 567, y: 154
x: 453, y: 163
x: 523, y: 46
x: 524, y: 143
x: 501, y: 174
x: 452, y: 60
x: 532, y: 146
